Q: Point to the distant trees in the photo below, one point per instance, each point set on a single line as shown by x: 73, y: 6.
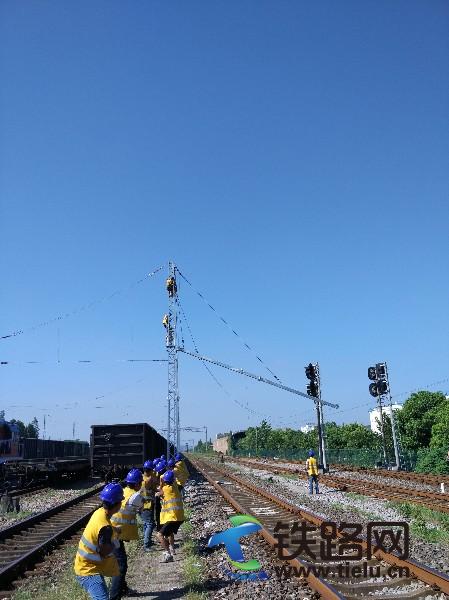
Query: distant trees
x: 423, y: 412
x: 31, y: 430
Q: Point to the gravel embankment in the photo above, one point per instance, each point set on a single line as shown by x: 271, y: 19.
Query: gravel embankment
x: 370, y: 478
x: 209, y: 515
x: 339, y: 506
x: 43, y: 500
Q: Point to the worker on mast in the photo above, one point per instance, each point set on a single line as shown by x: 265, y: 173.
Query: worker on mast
x: 171, y: 286
x: 165, y: 321
x: 312, y: 472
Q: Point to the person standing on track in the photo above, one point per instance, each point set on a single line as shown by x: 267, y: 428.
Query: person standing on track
x: 126, y: 522
x: 312, y: 472
x: 95, y: 557
x: 172, y: 514
x: 147, y: 491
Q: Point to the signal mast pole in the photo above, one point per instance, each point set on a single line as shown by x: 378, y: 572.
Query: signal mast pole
x: 173, y: 431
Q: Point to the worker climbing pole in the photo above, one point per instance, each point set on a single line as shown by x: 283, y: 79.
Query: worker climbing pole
x: 170, y: 321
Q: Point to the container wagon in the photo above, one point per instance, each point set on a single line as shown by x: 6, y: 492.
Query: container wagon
x: 117, y: 448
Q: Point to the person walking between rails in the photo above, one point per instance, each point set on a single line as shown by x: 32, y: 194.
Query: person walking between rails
x: 172, y: 514
x: 312, y: 472
x: 147, y: 491
x: 95, y: 558
x: 125, y: 520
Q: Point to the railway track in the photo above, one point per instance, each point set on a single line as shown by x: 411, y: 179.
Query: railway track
x: 25, y: 543
x: 420, y: 581
x: 384, y: 491
x: 423, y: 478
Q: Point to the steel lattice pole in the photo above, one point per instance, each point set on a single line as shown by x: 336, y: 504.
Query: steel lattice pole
x: 173, y: 393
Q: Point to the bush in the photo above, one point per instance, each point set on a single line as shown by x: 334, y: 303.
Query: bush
x: 432, y: 460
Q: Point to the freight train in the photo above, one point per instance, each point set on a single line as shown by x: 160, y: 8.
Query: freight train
x: 30, y: 460
x: 114, y: 449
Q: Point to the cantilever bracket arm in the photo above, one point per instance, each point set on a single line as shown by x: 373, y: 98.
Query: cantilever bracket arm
x: 256, y: 377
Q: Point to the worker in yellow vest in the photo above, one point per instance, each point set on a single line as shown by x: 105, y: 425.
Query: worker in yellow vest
x: 95, y: 557
x: 126, y: 520
x: 312, y: 472
x: 172, y: 514
x: 149, y: 486
x: 181, y: 472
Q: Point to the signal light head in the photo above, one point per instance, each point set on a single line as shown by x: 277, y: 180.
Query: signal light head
x: 372, y: 373
x: 373, y: 390
x: 380, y: 369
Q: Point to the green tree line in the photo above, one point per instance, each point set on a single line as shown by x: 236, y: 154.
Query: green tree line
x: 31, y: 430
x: 423, y: 426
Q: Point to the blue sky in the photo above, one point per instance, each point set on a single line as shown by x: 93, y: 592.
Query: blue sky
x: 291, y: 157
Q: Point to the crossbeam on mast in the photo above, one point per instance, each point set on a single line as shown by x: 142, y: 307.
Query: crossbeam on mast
x: 256, y: 377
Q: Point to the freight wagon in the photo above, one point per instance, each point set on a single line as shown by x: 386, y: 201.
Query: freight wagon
x: 118, y: 448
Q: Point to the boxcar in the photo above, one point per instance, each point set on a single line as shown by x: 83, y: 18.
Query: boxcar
x: 124, y: 445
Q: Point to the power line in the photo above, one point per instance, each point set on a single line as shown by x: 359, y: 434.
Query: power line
x: 82, y: 308
x: 82, y: 361
x: 247, y: 346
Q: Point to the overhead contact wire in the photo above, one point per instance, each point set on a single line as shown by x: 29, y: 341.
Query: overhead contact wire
x: 229, y: 326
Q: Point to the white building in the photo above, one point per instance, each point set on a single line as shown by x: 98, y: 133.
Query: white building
x: 307, y: 428
x: 374, y: 416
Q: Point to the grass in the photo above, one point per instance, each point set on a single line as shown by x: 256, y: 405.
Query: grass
x: 21, y: 514
x: 62, y: 585
x: 355, y: 496
x: 192, y: 567
x: 421, y: 517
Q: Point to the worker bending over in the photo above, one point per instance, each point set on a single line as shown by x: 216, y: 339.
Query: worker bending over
x: 126, y: 521
x: 172, y: 514
x: 95, y: 557
x: 312, y: 472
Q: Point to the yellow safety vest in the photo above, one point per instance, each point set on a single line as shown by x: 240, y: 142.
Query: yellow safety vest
x: 181, y: 473
x: 312, y: 467
x: 126, y: 517
x: 88, y: 560
x: 147, y: 491
x: 171, y: 504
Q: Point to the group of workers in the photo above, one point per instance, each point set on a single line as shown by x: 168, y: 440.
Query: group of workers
x: 157, y: 496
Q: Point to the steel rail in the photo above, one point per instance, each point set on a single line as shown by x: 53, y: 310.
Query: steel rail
x: 426, y: 574
x: 69, y: 520
x: 432, y: 500
x: 327, y: 591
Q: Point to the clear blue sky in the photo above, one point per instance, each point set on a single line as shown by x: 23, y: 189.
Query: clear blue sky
x: 291, y: 157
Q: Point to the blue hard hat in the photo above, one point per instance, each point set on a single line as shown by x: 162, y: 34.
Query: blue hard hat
x: 161, y: 466
x: 134, y: 476
x: 178, y: 457
x: 171, y: 463
x: 162, y: 457
x: 112, y: 493
x: 311, y: 453
x: 168, y: 477
x: 148, y: 465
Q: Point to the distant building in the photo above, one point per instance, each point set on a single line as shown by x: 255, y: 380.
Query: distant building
x: 307, y: 428
x: 223, y: 441
x: 374, y: 416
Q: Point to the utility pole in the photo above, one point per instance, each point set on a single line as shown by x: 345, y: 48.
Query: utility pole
x: 170, y: 322
x: 205, y: 427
